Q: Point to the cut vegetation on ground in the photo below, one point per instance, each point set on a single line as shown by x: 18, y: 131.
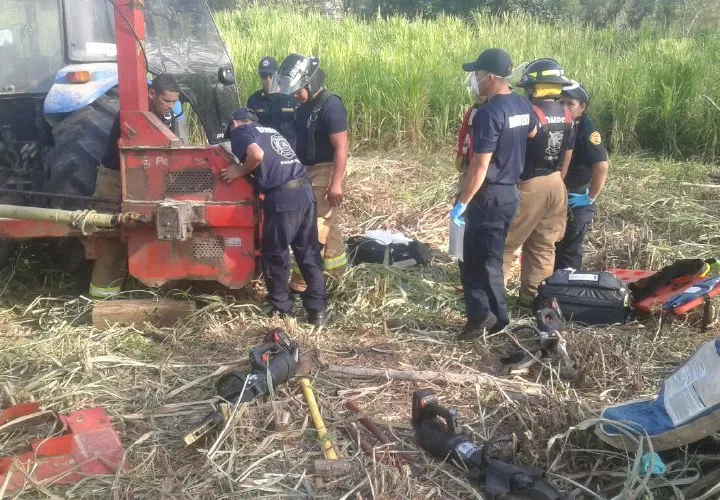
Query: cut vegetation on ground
x: 383, y: 318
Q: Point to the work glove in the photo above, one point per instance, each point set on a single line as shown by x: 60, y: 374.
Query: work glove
x: 579, y: 200
x: 456, y: 214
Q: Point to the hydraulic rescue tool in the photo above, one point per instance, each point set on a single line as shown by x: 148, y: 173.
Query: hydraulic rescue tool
x: 545, y: 340
x: 438, y: 433
x: 271, y: 363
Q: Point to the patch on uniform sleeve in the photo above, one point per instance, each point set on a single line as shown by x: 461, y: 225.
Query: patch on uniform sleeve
x: 595, y: 138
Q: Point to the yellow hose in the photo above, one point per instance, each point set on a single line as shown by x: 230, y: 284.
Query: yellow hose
x: 327, y: 445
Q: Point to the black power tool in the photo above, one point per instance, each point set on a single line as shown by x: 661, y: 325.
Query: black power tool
x: 271, y: 363
x: 438, y: 433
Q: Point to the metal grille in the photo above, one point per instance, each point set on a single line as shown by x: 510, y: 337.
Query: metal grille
x: 208, y: 250
x: 188, y: 181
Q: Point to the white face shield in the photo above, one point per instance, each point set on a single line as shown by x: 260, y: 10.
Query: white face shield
x: 289, y: 82
x: 472, y: 84
x: 517, y: 73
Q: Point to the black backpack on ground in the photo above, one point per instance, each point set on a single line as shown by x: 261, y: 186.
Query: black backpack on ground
x: 362, y: 249
x: 591, y: 298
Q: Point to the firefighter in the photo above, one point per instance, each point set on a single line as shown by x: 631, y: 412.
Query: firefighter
x: 110, y: 263
x: 540, y: 222
x: 273, y: 110
x: 490, y: 195
x: 585, y: 178
x: 321, y: 128
x: 289, y: 213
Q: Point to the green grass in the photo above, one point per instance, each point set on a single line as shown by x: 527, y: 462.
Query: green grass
x: 402, y: 80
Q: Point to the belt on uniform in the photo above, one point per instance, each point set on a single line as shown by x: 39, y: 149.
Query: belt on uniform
x: 293, y: 184
x: 540, y: 172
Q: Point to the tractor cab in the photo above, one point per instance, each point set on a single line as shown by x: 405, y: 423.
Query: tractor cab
x: 59, y: 79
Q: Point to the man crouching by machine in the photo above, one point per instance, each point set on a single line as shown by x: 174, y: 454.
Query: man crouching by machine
x: 289, y: 213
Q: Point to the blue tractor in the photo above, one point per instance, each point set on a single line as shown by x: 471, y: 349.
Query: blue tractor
x: 58, y: 89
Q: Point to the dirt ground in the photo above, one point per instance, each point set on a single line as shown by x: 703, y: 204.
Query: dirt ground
x: 156, y: 383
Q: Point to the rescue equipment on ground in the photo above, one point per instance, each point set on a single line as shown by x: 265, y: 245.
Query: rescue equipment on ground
x: 388, y: 248
x: 438, y: 432
x: 592, y: 298
x: 697, y: 295
x: 545, y: 340
x: 272, y: 363
x: 88, y: 446
x: 686, y: 409
x: 651, y: 290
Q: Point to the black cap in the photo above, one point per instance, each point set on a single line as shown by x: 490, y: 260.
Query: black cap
x: 268, y: 66
x: 576, y: 91
x: 245, y: 114
x: 495, y: 61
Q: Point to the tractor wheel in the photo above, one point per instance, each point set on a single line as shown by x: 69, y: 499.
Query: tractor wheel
x: 81, y: 141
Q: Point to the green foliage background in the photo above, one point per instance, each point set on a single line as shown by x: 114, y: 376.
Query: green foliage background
x: 402, y: 81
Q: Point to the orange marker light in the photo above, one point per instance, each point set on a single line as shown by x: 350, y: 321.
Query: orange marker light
x: 79, y: 76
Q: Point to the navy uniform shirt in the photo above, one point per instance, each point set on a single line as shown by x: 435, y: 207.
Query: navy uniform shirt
x: 276, y: 111
x: 279, y: 166
x: 332, y: 119
x: 555, y: 135
x: 589, y: 149
x: 501, y: 127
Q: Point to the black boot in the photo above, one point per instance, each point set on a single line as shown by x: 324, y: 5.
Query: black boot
x: 317, y: 318
x: 474, y: 330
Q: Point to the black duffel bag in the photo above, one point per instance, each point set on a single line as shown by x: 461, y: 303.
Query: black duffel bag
x: 592, y: 298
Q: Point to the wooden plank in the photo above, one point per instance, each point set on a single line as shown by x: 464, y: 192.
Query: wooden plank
x: 159, y: 312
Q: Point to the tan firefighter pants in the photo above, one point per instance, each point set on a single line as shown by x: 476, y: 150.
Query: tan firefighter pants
x: 332, y: 244
x: 537, y: 227
x: 110, y: 265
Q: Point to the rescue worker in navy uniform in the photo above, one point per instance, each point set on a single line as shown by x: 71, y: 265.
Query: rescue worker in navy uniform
x: 321, y: 127
x: 289, y: 213
x: 273, y: 110
x: 585, y: 178
x: 109, y: 267
x: 540, y: 222
x: 490, y: 195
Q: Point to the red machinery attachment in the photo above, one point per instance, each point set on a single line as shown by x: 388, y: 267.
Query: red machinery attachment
x: 89, y: 446
x: 178, y: 219
x: 204, y: 229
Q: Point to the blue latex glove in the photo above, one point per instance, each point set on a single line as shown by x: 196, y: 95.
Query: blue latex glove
x: 653, y: 463
x: 456, y: 214
x: 579, y: 200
